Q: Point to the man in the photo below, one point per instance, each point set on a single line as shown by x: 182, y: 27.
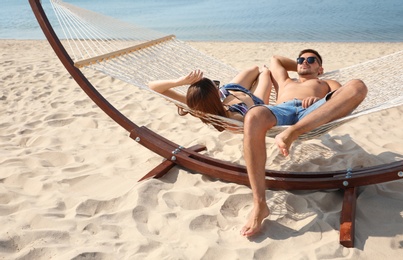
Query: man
x: 304, y: 104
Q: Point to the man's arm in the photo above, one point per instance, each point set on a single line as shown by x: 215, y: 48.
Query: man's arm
x: 333, y: 85
x: 279, y: 67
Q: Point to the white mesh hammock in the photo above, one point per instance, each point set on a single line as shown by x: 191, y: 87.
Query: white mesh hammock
x: 138, y: 55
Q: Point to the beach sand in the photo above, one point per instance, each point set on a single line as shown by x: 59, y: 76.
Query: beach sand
x: 68, y: 173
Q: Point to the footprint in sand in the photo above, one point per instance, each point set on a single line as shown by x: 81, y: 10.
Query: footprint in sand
x: 235, y: 203
x: 187, y: 201
x: 298, y: 217
x: 54, y: 159
x: 203, y: 223
x: 89, y: 208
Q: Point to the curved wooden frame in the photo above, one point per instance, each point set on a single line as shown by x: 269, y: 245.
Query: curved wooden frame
x: 189, y: 158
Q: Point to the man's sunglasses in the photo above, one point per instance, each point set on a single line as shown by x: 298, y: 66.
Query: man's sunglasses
x: 310, y: 60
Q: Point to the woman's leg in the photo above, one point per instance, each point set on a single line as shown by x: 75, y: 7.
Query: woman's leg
x: 247, y: 77
x: 263, y: 86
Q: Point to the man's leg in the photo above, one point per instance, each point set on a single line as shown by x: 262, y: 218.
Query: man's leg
x: 257, y: 122
x: 342, y: 103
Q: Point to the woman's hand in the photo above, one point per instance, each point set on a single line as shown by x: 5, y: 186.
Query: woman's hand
x: 191, y: 78
x: 306, y: 102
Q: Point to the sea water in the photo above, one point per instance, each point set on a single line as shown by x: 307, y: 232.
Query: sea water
x: 235, y: 20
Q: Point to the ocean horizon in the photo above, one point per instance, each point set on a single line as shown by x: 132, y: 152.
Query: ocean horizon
x: 235, y: 20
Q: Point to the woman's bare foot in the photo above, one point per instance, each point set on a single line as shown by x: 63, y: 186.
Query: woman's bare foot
x: 256, y: 217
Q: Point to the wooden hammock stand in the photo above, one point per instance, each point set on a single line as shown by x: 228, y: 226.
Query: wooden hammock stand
x: 190, y: 159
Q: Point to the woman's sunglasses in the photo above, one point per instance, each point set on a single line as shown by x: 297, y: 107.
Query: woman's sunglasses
x: 310, y: 60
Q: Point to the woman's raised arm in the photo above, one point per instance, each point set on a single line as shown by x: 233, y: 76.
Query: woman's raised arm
x: 165, y: 86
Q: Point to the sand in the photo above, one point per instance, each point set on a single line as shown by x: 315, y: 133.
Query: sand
x: 68, y: 173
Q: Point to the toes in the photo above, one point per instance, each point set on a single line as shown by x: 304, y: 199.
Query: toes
x: 244, y: 231
x: 251, y: 232
x: 248, y: 232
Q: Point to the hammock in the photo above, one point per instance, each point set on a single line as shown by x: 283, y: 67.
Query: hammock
x: 137, y: 56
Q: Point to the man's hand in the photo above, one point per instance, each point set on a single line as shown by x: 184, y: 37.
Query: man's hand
x: 306, y: 102
x: 191, y: 78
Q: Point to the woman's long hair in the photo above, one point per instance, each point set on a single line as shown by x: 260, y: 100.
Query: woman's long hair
x: 203, y: 96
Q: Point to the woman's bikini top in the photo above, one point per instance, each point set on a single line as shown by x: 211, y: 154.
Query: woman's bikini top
x: 241, y: 107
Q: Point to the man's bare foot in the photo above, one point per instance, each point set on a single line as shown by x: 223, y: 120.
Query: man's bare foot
x: 284, y: 141
x: 254, y: 223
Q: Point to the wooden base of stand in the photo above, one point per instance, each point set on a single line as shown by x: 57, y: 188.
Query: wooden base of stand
x: 167, y: 165
x: 347, y: 217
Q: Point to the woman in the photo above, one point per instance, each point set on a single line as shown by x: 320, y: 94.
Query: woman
x: 250, y: 87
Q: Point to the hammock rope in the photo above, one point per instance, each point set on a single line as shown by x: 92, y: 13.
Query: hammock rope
x: 139, y: 55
